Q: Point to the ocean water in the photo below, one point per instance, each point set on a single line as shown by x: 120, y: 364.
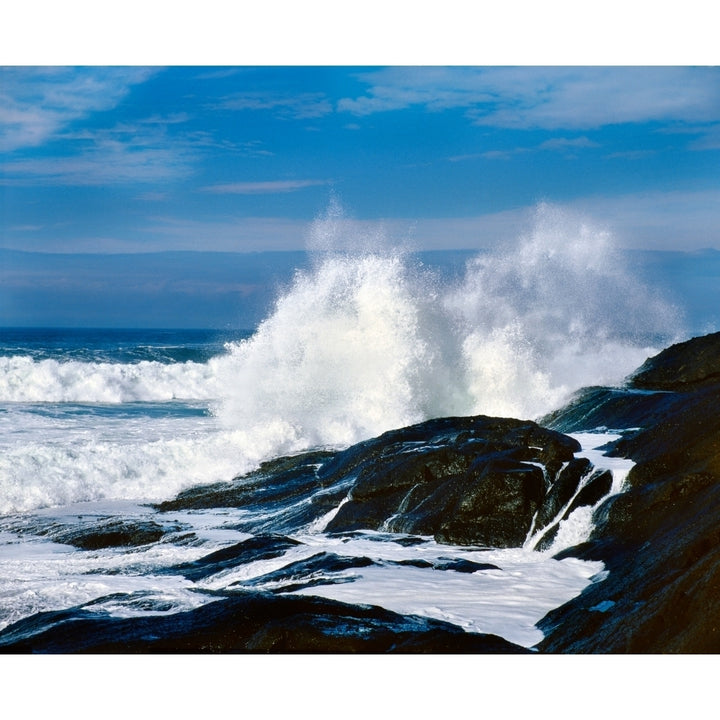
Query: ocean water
x: 100, y: 422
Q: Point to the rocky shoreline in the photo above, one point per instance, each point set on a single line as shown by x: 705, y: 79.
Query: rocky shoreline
x: 660, y: 538
x: 479, y: 482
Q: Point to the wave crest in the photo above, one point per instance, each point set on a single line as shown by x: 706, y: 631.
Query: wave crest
x: 23, y: 379
x: 364, y: 343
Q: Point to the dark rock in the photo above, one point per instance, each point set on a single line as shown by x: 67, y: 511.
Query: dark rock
x: 464, y: 566
x: 382, y: 486
x: 249, y: 622
x: 291, y: 478
x: 455, y: 564
x: 596, y: 487
x: 408, y: 540
x: 261, y: 547
x: 417, y: 562
x: 685, y: 366
x: 98, y: 533
x: 497, y: 510
x: 685, y: 436
x: 660, y: 538
x: 402, y: 540
x: 461, y: 480
x: 614, y: 408
x: 547, y: 538
x: 562, y: 491
x: 329, y: 499
x: 323, y: 568
x: 280, y: 490
x: 488, y: 434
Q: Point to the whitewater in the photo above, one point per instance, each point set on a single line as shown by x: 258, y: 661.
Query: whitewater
x: 366, y: 340
x: 361, y: 343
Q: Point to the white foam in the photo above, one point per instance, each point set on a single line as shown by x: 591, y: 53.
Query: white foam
x: 506, y: 602
x: 578, y: 526
x: 357, y: 345
x: 364, y: 343
x: 37, y: 575
x: 592, y: 448
x: 45, y: 576
x: 82, y: 467
x: 23, y: 379
x: 553, y: 313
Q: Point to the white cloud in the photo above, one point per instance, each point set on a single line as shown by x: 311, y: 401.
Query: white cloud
x: 153, y: 196
x: 263, y: 188
x: 239, y: 234
x: 672, y: 220
x: 561, y: 143
x: 397, y: 88
x: 504, y: 154
x: 121, y: 155
x: 554, y: 144
x: 299, y: 107
x: 548, y: 98
x: 171, y: 119
x: 631, y: 154
x: 25, y: 228
x: 660, y: 220
x: 38, y: 103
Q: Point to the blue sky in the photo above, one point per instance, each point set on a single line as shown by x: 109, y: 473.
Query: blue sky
x: 133, y: 159
x: 122, y: 162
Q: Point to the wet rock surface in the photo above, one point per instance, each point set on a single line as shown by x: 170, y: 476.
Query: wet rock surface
x: 682, y: 367
x: 88, y: 532
x: 250, y: 622
x: 261, y: 547
x: 466, y: 480
x: 474, y: 482
x: 282, y: 491
x: 660, y: 539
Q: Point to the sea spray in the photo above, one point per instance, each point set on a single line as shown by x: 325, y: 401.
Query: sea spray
x: 371, y: 340
x: 363, y: 341
x: 338, y: 360
x: 556, y: 311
